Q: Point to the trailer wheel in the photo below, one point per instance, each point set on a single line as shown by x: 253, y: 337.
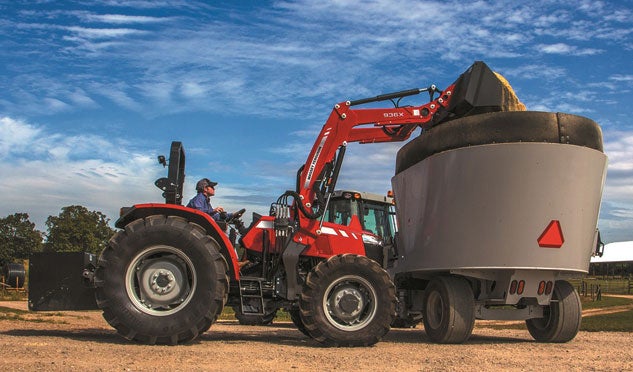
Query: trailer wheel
x: 449, y: 310
x: 561, y: 318
x: 161, y: 280
x: 348, y: 300
x: 295, y: 316
x: 250, y: 319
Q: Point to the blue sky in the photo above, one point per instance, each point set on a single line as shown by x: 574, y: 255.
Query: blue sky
x: 92, y: 91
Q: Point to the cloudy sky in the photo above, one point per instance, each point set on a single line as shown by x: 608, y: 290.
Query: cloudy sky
x: 92, y: 91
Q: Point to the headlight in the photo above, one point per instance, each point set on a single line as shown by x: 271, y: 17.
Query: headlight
x: 372, y: 239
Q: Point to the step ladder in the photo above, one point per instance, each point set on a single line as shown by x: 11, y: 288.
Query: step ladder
x: 251, y: 296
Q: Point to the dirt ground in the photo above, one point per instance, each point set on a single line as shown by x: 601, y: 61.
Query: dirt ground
x: 86, y: 342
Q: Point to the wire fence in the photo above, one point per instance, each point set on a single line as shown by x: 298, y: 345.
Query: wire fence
x: 595, y: 287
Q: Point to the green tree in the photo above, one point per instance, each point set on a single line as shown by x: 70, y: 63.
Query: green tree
x: 77, y: 229
x: 18, y: 238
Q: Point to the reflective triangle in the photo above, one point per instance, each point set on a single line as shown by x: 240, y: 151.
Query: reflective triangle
x: 552, y: 236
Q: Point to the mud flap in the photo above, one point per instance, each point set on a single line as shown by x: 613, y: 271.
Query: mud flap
x: 61, y: 281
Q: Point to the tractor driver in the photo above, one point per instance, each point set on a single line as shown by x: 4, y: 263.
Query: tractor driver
x: 206, y: 189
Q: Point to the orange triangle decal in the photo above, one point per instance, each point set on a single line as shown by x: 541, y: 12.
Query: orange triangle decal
x: 552, y: 236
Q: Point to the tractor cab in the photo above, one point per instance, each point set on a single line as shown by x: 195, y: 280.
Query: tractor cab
x: 375, y: 212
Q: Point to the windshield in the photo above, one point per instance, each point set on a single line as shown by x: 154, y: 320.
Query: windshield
x: 376, y: 218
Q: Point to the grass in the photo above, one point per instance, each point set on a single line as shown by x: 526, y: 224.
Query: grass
x: 7, y: 313
x: 607, y: 301
x: 616, y: 322
x: 229, y: 314
x: 12, y: 295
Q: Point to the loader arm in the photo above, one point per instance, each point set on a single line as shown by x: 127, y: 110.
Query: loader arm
x: 477, y: 90
x: 371, y: 125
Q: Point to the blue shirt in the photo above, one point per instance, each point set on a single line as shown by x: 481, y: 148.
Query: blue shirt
x: 201, y: 202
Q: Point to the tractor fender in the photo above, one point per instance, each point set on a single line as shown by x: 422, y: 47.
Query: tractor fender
x: 202, y: 219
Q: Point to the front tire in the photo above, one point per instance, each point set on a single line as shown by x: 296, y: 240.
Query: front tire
x: 295, y: 316
x: 161, y: 280
x: 449, y: 310
x: 561, y: 318
x: 348, y: 300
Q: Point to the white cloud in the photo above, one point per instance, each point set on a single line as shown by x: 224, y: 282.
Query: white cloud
x: 562, y: 48
x: 622, y: 78
x: 16, y: 135
x: 45, y: 171
x: 617, y: 212
x: 102, y: 33
x: 122, y: 18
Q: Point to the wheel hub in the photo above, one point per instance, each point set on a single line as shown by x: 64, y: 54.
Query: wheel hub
x: 162, y: 282
x: 159, y: 280
x: 347, y: 304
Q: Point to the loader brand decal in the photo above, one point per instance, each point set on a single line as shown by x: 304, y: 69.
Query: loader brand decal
x: 315, y: 158
x: 552, y: 236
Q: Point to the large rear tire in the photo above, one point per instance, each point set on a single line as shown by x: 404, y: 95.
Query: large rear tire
x: 449, y: 310
x: 161, y: 280
x: 561, y: 318
x: 348, y: 300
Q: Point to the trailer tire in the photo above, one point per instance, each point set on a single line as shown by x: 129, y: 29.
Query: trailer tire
x: 562, y: 317
x: 295, y: 316
x: 501, y: 127
x: 161, y: 280
x: 250, y: 319
x: 348, y: 300
x: 449, y: 310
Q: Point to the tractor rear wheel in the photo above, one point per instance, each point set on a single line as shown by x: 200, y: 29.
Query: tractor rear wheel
x: 161, y: 280
x: 561, y: 318
x: 449, y: 310
x: 348, y: 300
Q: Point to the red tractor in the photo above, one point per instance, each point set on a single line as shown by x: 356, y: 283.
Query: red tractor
x: 167, y: 274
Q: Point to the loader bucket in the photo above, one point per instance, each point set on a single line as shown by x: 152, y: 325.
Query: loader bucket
x: 480, y: 90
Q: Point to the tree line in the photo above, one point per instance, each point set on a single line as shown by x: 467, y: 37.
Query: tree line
x: 75, y: 229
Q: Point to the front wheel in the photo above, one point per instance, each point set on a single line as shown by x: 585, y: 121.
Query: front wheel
x: 561, y: 318
x: 449, y: 310
x: 295, y: 316
x: 161, y: 280
x: 348, y: 300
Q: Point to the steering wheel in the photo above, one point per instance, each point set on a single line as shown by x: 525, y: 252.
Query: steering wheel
x: 238, y: 214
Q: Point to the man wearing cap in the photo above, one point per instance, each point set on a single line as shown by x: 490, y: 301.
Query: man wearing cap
x: 206, y: 189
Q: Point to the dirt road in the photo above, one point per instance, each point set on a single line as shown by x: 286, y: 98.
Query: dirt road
x: 84, y: 341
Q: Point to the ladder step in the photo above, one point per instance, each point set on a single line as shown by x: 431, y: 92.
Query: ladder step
x: 251, y: 295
